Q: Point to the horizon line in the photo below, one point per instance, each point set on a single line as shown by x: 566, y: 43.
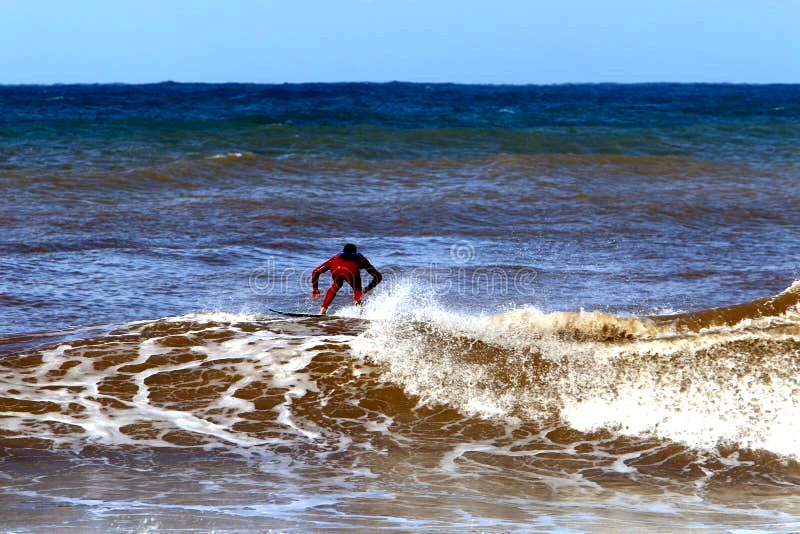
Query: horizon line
x: 390, y: 82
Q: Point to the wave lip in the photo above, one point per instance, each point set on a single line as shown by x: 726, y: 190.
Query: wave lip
x: 601, y: 326
x: 761, y: 311
x: 580, y: 326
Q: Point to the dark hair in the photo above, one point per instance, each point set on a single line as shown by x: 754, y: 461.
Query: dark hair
x: 350, y: 248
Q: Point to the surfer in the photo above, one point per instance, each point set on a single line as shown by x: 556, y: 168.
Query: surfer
x: 344, y: 267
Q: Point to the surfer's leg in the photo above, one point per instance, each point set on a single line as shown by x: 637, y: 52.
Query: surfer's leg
x: 355, y: 283
x: 329, y: 295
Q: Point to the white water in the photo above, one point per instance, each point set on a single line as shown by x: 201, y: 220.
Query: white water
x: 706, y: 389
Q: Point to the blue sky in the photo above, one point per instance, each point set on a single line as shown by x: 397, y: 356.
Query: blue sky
x: 499, y: 41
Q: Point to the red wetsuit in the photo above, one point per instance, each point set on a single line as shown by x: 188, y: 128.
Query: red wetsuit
x: 345, y: 267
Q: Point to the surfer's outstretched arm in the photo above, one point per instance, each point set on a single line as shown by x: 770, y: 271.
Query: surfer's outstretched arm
x: 376, y: 276
x: 315, y: 278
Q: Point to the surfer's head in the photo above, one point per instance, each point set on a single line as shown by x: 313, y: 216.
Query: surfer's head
x: 349, y: 248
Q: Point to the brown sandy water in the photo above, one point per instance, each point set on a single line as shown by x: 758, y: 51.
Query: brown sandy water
x: 428, y: 420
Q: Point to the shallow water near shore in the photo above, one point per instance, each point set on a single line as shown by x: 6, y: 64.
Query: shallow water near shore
x: 589, y: 320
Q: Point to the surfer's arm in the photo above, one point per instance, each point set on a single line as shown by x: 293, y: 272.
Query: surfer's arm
x: 376, y: 275
x: 315, y: 277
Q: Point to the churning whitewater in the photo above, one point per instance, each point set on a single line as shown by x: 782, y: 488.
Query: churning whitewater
x: 720, y: 378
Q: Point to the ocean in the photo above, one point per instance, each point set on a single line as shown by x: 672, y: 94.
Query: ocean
x: 589, y: 319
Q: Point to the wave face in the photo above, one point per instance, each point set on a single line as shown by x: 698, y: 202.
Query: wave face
x: 587, y: 406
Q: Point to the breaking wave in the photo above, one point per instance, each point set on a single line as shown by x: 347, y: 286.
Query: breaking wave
x: 712, y: 379
x: 722, y: 377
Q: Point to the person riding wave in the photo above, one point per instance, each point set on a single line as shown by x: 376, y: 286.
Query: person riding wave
x: 344, y: 267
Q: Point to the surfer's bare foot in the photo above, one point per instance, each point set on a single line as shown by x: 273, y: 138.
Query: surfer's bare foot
x: 323, y: 311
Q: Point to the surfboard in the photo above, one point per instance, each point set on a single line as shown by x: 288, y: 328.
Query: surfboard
x: 297, y: 314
